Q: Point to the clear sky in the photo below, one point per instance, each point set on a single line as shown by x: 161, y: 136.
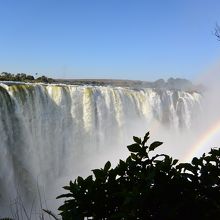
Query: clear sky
x: 119, y: 39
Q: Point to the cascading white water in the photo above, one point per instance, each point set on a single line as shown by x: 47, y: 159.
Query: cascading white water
x: 49, y: 132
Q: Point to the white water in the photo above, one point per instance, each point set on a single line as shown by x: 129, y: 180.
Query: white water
x: 49, y: 134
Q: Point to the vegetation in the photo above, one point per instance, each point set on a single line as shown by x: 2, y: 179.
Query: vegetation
x: 22, y: 77
x: 171, y: 83
x: 147, y: 186
x: 217, y: 32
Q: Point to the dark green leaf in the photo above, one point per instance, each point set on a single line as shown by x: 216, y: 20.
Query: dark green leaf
x: 186, y: 166
x: 154, y: 145
x: 215, y: 152
x: 175, y: 161
x: 134, y: 147
x: 89, y: 178
x: 99, y: 174
x: 80, y: 180
x: 107, y: 166
x: 66, y: 187
x: 134, y: 156
x: 143, y: 152
x: 195, y: 161
x: 65, y: 195
x: 137, y: 140
x: 146, y: 137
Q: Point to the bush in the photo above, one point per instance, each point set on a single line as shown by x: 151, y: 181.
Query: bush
x: 146, y: 186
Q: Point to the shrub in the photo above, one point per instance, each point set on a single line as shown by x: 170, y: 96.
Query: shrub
x: 147, y: 186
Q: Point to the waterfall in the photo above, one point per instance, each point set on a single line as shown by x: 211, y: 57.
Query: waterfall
x: 49, y: 132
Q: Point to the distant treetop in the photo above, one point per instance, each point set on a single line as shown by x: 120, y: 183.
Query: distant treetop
x: 23, y: 77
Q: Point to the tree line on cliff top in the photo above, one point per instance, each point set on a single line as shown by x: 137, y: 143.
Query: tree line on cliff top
x: 171, y: 83
x: 23, y: 77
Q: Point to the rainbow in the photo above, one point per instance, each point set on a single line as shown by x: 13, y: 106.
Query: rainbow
x: 205, y: 140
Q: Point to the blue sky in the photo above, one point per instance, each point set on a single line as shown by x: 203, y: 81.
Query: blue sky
x: 119, y: 39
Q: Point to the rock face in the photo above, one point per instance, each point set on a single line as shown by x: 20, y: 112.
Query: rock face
x: 49, y: 131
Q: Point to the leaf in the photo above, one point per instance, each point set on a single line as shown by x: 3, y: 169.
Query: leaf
x: 186, y: 166
x: 137, y: 140
x: 129, y: 160
x: 154, y: 145
x: 134, y: 156
x: 146, y: 137
x: 122, y: 164
x: 65, y: 196
x: 66, y: 187
x: 99, y: 174
x: 208, y: 158
x: 215, y: 152
x: 89, y: 178
x: 195, y: 161
x: 134, y: 148
x: 80, y: 180
x: 175, y: 161
x: 143, y: 152
x: 107, y: 166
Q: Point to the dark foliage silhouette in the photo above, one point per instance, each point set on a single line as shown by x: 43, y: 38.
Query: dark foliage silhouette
x: 147, y: 186
x: 22, y: 77
x: 217, y: 32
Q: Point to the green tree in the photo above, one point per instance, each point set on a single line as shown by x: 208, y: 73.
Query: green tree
x: 147, y: 186
x: 29, y: 77
x: 23, y: 77
x: 6, y: 76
